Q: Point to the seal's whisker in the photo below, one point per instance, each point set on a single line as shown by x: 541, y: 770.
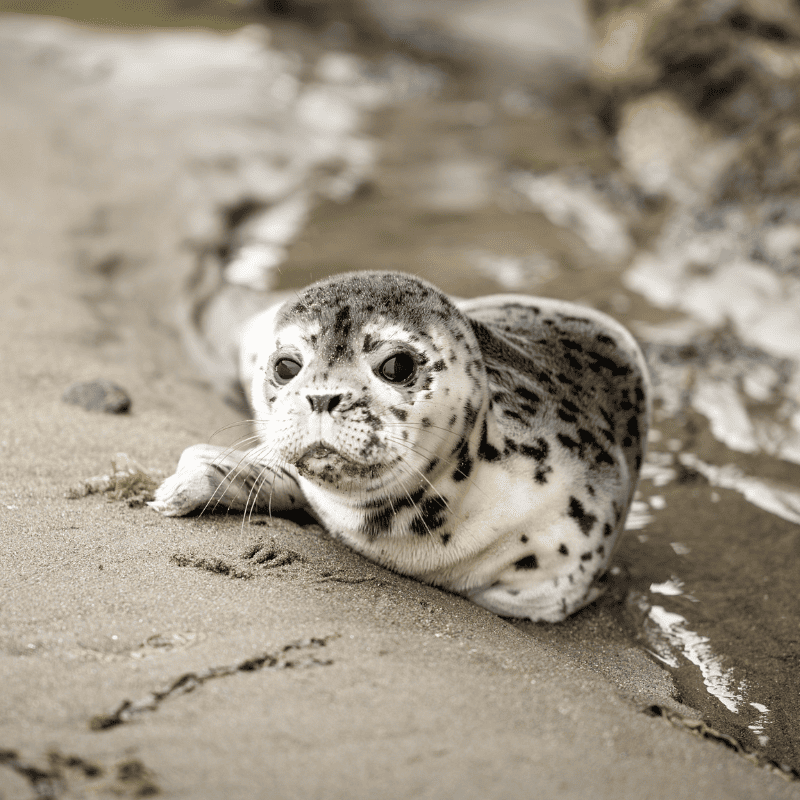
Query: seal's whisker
x: 236, y: 424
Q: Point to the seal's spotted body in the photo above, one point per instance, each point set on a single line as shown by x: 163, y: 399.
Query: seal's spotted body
x: 489, y: 446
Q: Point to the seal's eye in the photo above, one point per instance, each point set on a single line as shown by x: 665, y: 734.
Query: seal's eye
x: 285, y: 369
x: 399, y: 368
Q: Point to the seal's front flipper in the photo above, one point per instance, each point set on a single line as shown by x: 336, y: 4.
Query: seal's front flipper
x: 210, y: 478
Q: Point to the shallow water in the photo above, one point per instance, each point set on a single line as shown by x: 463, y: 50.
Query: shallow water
x: 488, y: 187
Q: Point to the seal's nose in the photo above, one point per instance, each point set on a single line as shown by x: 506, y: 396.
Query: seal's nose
x: 324, y: 402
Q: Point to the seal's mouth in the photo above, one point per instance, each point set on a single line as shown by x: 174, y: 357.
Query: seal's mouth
x: 320, y: 450
x: 324, y: 463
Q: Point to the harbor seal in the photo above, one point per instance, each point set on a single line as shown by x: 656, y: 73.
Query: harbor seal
x: 490, y: 446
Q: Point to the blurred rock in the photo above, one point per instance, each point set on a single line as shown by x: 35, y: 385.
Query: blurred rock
x: 731, y: 64
x: 98, y: 395
x: 544, y: 39
x: 666, y: 151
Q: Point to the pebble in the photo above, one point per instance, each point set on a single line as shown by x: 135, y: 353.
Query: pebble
x: 98, y: 396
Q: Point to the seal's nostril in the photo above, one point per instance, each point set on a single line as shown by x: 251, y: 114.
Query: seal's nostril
x: 324, y: 402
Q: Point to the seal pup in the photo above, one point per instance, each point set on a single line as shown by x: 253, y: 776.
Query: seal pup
x: 490, y: 446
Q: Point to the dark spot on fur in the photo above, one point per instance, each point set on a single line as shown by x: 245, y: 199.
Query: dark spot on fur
x: 486, y: 451
x: 607, y: 530
x: 464, y: 468
x: 601, y: 550
x: 433, y: 513
x: 570, y: 345
x: 470, y: 415
x: 378, y: 522
x: 563, y: 550
x: 574, y: 363
x: 606, y: 340
x: 507, y: 412
x: 439, y: 365
x: 578, y: 513
x: 410, y: 500
x: 342, y: 325
x: 445, y: 538
x: 541, y: 475
x: 539, y: 452
x: 567, y: 442
x: 599, y: 362
x: 523, y: 539
x: 587, y: 437
x: 432, y: 464
x: 400, y: 413
x: 529, y: 562
x: 544, y: 378
x: 528, y: 395
x: 587, y: 556
x: 369, y: 344
x: 425, y: 422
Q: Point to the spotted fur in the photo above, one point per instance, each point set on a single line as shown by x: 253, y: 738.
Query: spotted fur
x: 501, y: 468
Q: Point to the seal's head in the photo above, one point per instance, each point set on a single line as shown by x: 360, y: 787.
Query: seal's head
x: 366, y: 382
